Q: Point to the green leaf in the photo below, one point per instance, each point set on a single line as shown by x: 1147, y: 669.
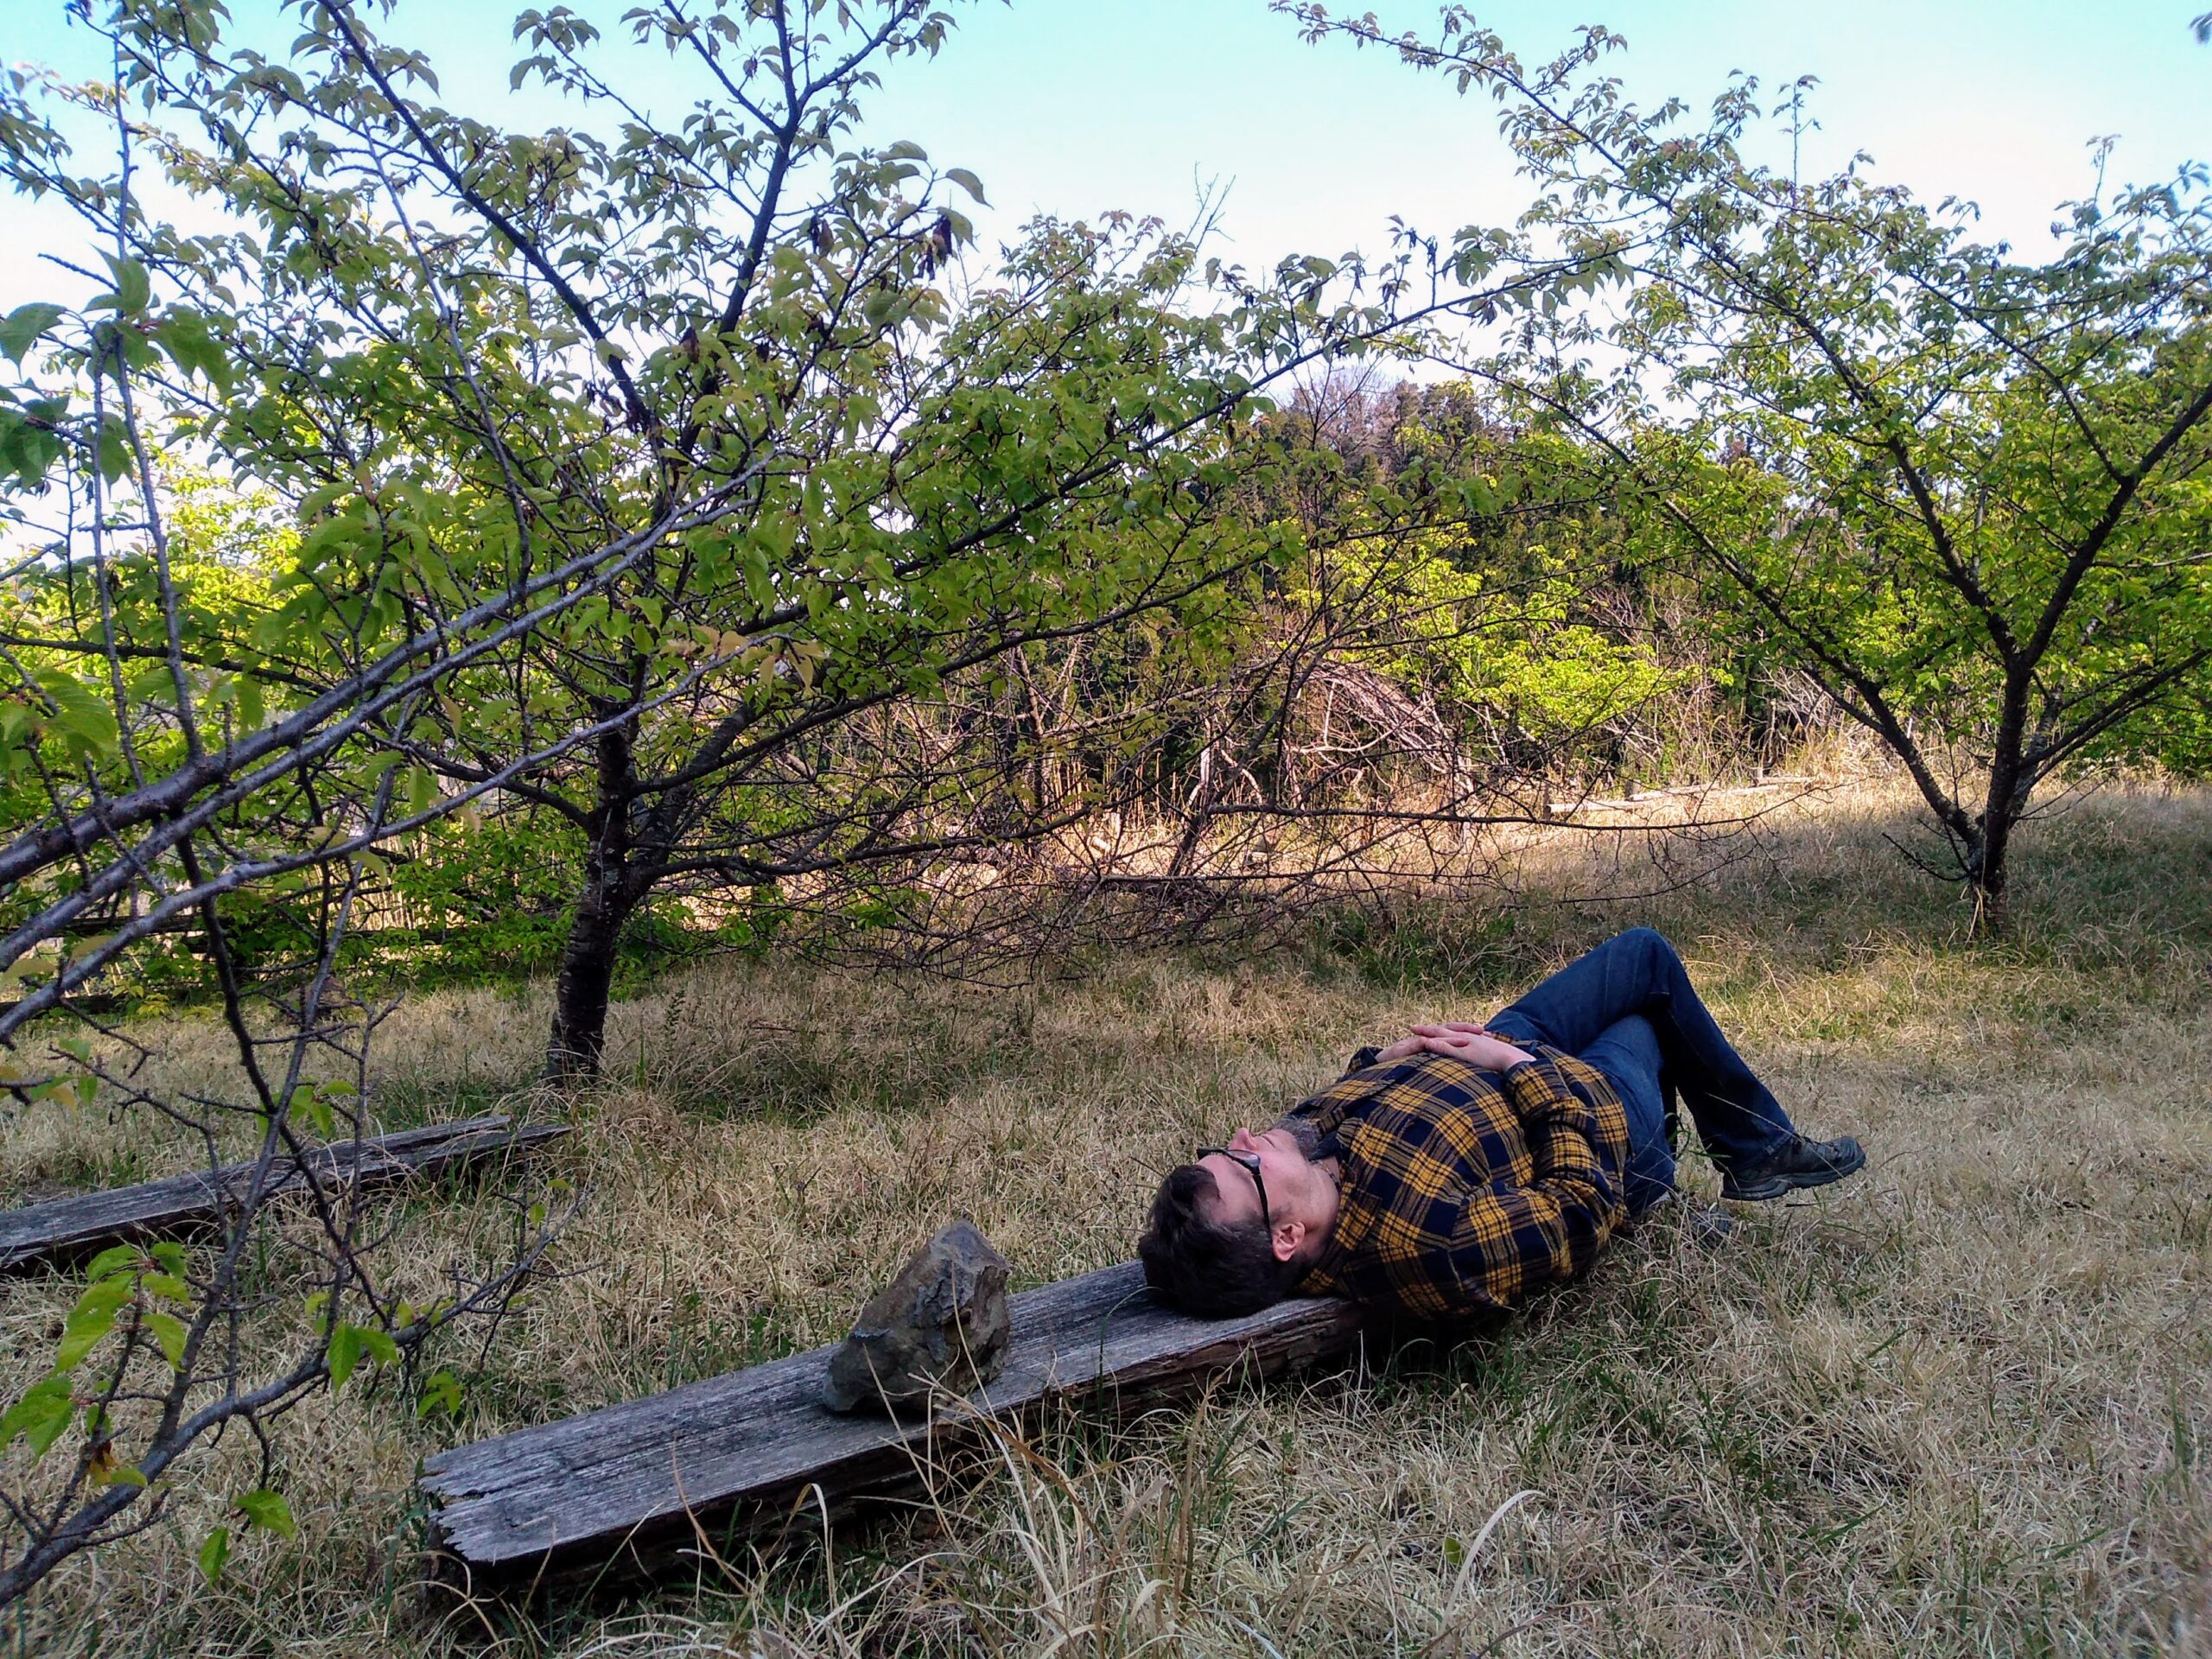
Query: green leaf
x: 378, y: 767
x: 348, y: 1343
x: 90, y: 1319
x: 441, y: 1393
x: 379, y: 1345
x: 115, y: 1259
x: 215, y: 1554
x: 39, y: 1416
x: 170, y: 1255
x: 306, y: 1099
x: 26, y: 449
x: 114, y: 450
x: 183, y: 335
x: 25, y: 325
x: 134, y: 289
x: 169, y: 1330
x: 81, y: 714
x: 345, y: 1354
x: 967, y: 181
x: 266, y: 1510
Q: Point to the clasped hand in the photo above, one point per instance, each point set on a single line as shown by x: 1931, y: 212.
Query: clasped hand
x: 1462, y: 1039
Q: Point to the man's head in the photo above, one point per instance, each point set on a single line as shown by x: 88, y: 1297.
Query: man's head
x: 1235, y: 1230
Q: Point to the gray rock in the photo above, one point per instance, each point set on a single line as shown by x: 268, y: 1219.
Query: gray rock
x: 941, y: 1326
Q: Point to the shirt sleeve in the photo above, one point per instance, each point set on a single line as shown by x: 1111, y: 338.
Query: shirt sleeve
x: 1513, y: 1239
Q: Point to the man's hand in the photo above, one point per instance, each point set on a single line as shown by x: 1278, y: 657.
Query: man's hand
x: 1460, y: 1039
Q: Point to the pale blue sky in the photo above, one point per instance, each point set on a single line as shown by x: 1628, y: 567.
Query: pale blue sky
x: 1073, y: 106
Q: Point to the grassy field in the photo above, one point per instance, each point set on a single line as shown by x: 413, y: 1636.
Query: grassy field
x: 1959, y: 1406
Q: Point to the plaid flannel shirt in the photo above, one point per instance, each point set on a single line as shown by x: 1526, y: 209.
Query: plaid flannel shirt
x: 1463, y: 1190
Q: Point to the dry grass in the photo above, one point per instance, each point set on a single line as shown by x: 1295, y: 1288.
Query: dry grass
x: 1958, y: 1406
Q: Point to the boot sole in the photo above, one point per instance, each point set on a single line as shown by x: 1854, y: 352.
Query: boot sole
x: 1774, y: 1186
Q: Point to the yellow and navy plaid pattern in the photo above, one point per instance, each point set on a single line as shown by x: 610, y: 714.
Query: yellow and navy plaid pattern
x: 1463, y: 1190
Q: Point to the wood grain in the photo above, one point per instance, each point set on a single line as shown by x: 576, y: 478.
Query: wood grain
x: 64, y: 1229
x: 628, y: 1488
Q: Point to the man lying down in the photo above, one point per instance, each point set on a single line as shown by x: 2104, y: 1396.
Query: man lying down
x: 1465, y: 1166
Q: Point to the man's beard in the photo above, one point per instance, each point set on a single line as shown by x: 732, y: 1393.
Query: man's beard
x: 1307, y: 1137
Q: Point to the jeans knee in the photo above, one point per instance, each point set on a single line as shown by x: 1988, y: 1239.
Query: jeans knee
x: 1649, y: 940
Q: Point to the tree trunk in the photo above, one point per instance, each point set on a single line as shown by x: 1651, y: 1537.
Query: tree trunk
x: 609, y: 893
x: 2011, y: 783
x: 1985, y: 872
x: 582, y: 992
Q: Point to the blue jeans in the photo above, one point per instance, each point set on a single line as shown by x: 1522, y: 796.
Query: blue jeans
x: 1629, y: 1009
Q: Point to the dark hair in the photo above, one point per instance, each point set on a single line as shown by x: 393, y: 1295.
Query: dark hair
x: 1195, y: 1263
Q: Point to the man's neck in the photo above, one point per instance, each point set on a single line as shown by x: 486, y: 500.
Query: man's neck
x: 1317, y: 1240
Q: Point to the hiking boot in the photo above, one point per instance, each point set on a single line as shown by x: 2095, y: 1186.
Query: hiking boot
x: 1797, y: 1162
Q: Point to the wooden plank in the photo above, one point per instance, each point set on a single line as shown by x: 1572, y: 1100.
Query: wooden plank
x: 620, y: 1489
x: 64, y: 1229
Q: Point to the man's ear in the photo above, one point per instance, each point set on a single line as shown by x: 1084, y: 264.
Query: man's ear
x: 1289, y: 1234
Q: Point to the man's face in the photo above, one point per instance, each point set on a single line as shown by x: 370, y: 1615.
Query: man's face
x: 1297, y: 1191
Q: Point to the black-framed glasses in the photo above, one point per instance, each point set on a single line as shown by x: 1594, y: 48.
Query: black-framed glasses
x: 1250, y: 1162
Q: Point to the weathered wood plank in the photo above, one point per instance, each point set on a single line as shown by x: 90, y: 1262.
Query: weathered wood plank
x: 63, y: 1229
x: 622, y: 1486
